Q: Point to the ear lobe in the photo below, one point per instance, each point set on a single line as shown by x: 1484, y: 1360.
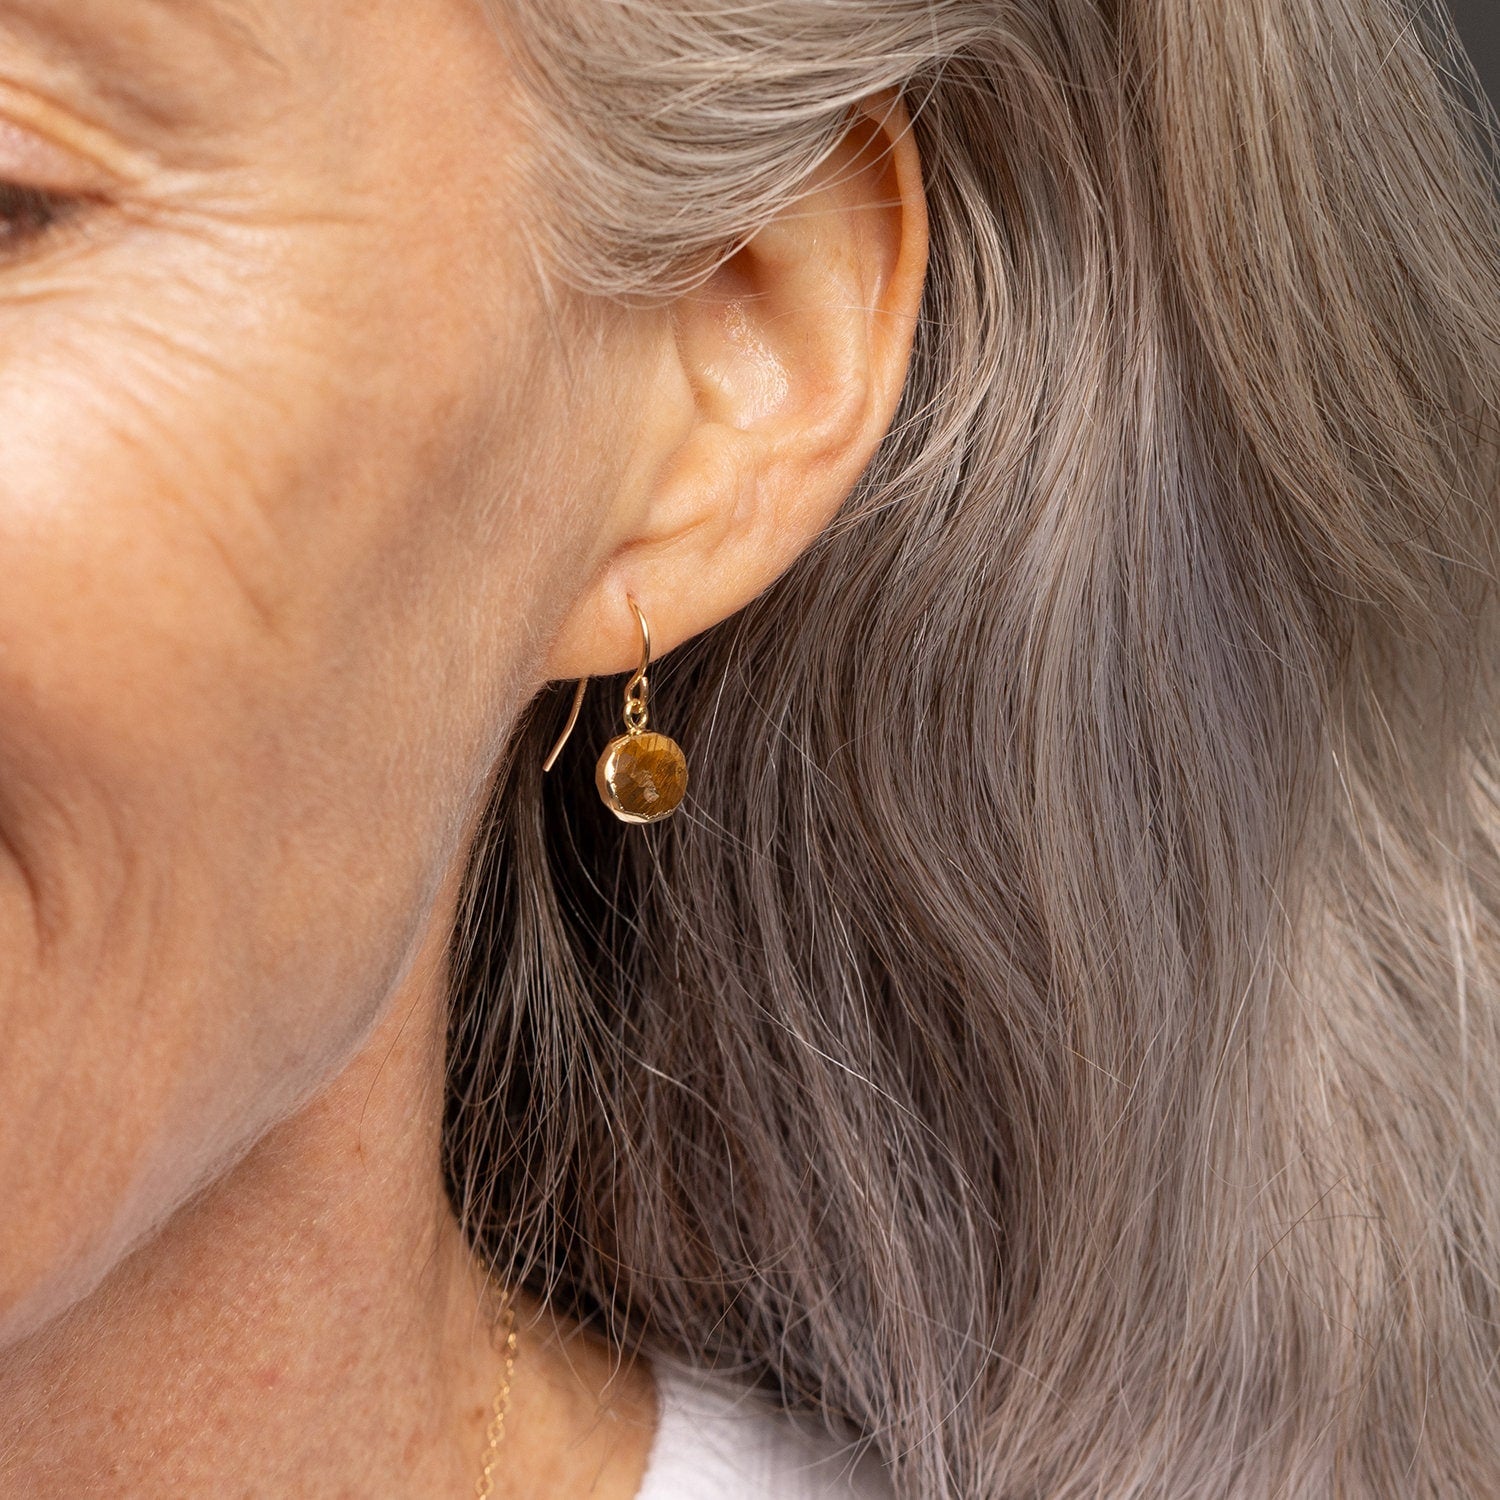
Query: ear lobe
x: 791, y: 358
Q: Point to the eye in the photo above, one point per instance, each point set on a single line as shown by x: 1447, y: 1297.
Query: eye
x: 27, y: 214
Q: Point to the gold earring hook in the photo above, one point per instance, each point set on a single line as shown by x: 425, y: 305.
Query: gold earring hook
x: 635, y: 691
x: 640, y: 676
x: 583, y: 683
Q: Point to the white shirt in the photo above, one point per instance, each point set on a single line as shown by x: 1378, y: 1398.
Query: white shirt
x: 716, y: 1442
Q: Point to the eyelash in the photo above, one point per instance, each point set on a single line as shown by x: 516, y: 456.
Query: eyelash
x: 28, y: 215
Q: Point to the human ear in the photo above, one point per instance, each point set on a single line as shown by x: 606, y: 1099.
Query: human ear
x: 771, y: 386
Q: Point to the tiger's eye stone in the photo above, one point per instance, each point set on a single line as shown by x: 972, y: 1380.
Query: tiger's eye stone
x: 642, y: 777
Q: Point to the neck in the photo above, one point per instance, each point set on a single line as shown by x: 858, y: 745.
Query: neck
x: 309, y: 1324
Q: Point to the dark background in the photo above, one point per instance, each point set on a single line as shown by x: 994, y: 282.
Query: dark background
x: 1479, y: 26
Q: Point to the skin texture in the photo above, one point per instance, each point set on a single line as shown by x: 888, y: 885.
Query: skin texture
x: 305, y: 493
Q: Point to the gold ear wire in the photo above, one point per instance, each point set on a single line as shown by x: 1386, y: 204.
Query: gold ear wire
x: 641, y: 775
x: 583, y: 683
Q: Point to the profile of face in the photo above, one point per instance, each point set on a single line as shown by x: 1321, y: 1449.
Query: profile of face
x: 309, y: 484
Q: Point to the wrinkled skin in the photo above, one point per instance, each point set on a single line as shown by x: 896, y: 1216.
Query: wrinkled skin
x: 264, y: 467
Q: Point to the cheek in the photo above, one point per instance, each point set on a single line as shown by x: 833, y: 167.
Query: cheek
x: 237, y: 747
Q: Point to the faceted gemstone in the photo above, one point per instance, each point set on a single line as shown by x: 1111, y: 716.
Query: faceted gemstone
x: 642, y: 776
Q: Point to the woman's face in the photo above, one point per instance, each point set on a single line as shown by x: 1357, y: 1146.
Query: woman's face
x: 292, y: 484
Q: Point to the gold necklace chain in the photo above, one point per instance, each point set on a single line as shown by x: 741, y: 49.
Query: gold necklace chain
x: 484, y: 1486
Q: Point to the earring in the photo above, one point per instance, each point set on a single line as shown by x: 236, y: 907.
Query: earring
x: 641, y: 775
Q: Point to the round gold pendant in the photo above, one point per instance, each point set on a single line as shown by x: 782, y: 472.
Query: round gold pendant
x: 642, y: 776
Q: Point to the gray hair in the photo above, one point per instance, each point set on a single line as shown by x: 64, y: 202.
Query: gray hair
x: 1057, y: 1041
